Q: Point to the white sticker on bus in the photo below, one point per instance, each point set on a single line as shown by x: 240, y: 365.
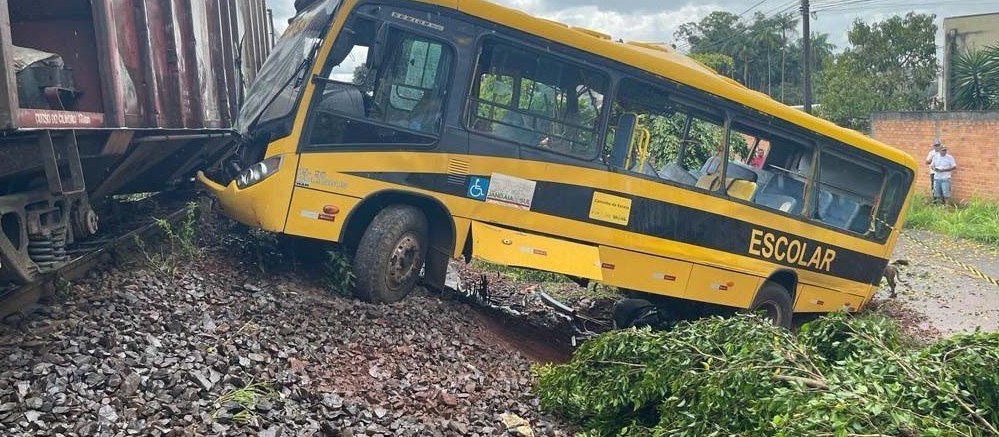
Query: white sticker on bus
x: 511, y: 191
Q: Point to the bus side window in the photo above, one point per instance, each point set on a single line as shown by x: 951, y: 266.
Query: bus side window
x: 535, y: 99
x: 685, y: 142
x: 784, y: 176
x: 890, y: 205
x: 848, y: 190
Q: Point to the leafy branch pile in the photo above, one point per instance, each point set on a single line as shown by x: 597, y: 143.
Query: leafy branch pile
x: 841, y: 375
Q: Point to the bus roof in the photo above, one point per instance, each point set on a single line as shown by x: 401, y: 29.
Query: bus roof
x: 668, y: 63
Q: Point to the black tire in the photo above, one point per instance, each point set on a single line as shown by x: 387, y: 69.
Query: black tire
x: 390, y: 254
x: 630, y: 312
x: 774, y: 301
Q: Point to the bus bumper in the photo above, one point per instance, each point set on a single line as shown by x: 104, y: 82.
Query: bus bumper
x: 253, y: 206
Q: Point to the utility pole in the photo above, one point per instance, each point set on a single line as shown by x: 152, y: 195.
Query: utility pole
x: 806, y: 56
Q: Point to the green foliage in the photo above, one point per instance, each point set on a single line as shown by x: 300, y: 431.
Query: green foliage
x: 743, y: 376
x: 891, y: 66
x: 183, y: 238
x: 974, y: 79
x: 179, y: 242
x: 721, y: 63
x: 967, y: 359
x: 240, y: 402
x: 667, y: 133
x: 765, y: 51
x: 977, y: 220
x: 338, y: 275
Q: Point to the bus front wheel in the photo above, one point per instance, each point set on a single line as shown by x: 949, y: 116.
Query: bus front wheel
x: 390, y: 254
x: 774, y: 301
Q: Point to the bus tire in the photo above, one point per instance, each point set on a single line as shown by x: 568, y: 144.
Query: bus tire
x: 632, y: 312
x: 775, y: 302
x: 390, y: 255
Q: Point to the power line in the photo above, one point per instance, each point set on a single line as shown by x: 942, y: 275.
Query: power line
x: 752, y: 7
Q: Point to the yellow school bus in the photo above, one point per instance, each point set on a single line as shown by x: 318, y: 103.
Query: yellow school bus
x: 415, y: 132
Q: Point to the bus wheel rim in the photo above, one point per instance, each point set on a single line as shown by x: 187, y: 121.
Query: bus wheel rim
x: 402, y: 261
x: 771, y: 310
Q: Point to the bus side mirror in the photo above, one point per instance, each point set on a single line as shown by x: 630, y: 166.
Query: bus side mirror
x: 623, y: 138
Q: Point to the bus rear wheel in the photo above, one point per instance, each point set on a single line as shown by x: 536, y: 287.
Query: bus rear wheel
x: 390, y: 254
x: 774, y: 302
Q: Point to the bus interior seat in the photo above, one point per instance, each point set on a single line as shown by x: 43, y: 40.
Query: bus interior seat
x: 777, y: 201
x: 513, y: 126
x: 741, y: 188
x: 674, y: 172
x: 343, y: 98
x: 779, y: 186
x: 708, y: 182
x: 646, y: 169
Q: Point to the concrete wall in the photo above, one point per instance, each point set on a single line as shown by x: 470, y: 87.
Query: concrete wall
x: 971, y: 136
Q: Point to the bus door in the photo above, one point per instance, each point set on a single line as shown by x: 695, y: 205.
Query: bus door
x: 383, y: 97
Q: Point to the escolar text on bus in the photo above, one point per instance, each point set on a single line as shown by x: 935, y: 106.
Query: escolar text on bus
x: 785, y: 249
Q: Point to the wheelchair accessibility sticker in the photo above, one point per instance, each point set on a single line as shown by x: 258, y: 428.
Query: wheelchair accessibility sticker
x: 478, y: 187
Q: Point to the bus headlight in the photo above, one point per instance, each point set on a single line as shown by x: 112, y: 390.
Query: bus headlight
x: 258, y: 172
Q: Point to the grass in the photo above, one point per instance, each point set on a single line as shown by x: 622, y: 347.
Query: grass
x: 976, y: 220
x: 244, y: 399
x: 178, y: 243
x: 519, y: 274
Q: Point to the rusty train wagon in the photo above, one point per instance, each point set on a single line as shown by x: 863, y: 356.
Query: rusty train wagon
x: 105, y: 97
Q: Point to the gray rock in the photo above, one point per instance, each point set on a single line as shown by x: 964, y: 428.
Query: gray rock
x: 107, y: 414
x: 33, y: 403
x: 130, y: 385
x: 32, y: 415
x: 41, y: 369
x: 256, y: 357
x: 203, y: 381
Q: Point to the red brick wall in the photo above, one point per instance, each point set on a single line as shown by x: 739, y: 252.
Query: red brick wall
x: 972, y: 137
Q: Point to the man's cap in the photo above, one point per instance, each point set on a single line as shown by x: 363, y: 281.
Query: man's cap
x: 937, y: 143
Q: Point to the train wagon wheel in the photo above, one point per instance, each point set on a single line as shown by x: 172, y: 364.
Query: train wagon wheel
x: 774, y: 301
x: 391, y: 254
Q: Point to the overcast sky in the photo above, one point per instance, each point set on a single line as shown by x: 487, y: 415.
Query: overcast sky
x: 656, y: 20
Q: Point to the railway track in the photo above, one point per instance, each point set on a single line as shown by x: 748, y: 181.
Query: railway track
x: 133, y: 221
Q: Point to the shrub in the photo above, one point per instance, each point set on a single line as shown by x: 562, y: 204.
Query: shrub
x: 844, y: 375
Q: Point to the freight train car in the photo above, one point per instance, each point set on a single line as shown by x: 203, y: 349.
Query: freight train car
x: 105, y: 97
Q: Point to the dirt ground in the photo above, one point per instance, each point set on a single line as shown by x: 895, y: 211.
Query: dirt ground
x: 937, y: 293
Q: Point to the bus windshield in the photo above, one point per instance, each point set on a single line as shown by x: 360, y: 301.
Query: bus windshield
x: 276, y: 88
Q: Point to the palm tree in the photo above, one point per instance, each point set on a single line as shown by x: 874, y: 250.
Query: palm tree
x: 787, y: 23
x: 975, y: 79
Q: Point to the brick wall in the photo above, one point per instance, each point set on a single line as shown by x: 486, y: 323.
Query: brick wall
x: 972, y: 137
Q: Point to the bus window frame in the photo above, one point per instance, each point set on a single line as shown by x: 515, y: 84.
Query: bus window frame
x: 508, y: 38
x: 686, y: 98
x: 824, y: 144
x: 304, y: 145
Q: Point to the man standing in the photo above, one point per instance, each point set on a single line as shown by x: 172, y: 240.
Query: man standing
x: 929, y: 161
x: 943, y: 166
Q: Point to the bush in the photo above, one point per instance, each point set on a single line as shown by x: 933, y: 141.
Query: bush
x: 743, y: 376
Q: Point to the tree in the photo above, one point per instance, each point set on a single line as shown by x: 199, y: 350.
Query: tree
x: 765, y: 51
x: 975, y: 79
x: 890, y: 66
x: 723, y: 64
